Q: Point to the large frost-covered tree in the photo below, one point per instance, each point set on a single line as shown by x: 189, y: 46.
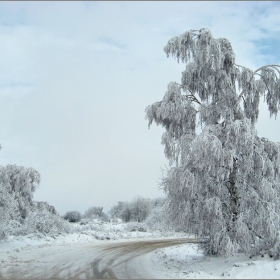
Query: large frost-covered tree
x: 223, y: 183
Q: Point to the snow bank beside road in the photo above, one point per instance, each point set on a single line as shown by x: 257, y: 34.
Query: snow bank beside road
x: 107, y: 233
x: 186, y: 262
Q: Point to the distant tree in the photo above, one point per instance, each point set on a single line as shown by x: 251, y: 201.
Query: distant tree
x: 116, y: 210
x: 72, y: 216
x: 126, y: 213
x: 158, y: 202
x: 136, y: 210
x: 95, y: 213
x: 140, y: 208
x: 223, y: 184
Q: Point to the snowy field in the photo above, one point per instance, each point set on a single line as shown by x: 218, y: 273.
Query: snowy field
x: 181, y: 261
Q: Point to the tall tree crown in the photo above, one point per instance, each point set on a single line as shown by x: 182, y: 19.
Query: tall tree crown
x: 213, y: 84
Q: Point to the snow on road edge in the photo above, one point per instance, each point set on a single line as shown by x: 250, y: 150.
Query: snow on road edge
x: 186, y: 262
x: 181, y: 261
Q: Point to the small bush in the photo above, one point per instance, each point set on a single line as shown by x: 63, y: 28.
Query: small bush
x: 136, y: 227
x: 158, y: 219
x: 73, y: 216
x: 44, y: 222
x: 13, y: 228
x: 84, y: 221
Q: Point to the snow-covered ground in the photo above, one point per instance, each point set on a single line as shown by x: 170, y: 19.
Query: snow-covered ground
x: 180, y: 261
x: 185, y: 261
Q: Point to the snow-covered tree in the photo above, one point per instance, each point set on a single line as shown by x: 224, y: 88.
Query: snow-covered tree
x: 223, y: 184
x: 95, y: 212
x: 140, y: 208
x: 126, y: 212
x: 115, y: 211
x: 19, y: 214
x: 73, y: 216
x: 17, y: 185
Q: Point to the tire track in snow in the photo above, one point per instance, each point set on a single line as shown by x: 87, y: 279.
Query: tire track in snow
x: 123, y: 260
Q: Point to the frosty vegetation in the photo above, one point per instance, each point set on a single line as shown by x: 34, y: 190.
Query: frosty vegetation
x: 138, y: 210
x: 145, y: 215
x: 223, y: 183
x: 72, y: 216
x: 19, y: 214
x: 96, y: 212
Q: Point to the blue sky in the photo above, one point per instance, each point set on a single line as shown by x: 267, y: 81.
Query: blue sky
x: 76, y: 77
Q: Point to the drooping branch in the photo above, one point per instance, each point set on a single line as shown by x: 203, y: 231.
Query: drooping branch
x: 274, y: 66
x: 271, y: 65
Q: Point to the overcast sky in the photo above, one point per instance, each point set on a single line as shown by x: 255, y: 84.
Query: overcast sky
x: 76, y: 77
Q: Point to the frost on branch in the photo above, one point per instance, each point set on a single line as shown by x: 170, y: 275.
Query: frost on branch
x: 223, y: 184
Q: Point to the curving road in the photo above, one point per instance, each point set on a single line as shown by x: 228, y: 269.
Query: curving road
x: 123, y: 260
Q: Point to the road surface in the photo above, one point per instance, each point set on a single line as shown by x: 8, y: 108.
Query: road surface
x: 122, y: 260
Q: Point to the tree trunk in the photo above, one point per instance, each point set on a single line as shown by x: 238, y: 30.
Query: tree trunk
x: 232, y: 188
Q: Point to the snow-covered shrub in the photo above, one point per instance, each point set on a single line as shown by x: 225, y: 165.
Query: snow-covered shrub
x: 158, y: 219
x: 46, y: 223
x: 42, y: 205
x: 96, y: 213
x: 72, y: 216
x: 134, y: 226
x: 84, y: 221
x: 14, y: 227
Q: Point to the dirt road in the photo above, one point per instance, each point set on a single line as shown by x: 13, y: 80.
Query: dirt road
x: 124, y: 260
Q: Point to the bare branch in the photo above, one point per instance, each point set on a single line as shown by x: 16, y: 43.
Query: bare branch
x: 244, y: 101
x: 274, y: 66
x: 195, y: 99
